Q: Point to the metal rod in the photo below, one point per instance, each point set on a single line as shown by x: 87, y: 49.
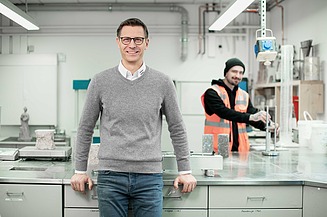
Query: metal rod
x: 268, y: 137
x: 275, y: 130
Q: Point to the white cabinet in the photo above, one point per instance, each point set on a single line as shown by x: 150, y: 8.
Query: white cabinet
x: 255, y: 201
x: 314, y: 201
x: 77, y: 204
x: 18, y: 200
x: 77, y: 212
x: 175, y: 204
x: 197, y: 199
x: 256, y: 213
x: 74, y: 199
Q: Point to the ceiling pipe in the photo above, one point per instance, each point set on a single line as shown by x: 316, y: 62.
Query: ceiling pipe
x: 201, y: 13
x: 147, y: 7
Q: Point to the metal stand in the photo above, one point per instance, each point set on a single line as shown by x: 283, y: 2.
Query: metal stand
x: 269, y: 152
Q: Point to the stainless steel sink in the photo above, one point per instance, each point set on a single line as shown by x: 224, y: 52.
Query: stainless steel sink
x: 29, y: 168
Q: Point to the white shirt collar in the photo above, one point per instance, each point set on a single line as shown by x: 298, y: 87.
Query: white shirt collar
x: 128, y: 75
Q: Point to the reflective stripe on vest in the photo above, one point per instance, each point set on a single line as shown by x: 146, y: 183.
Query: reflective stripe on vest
x: 216, y: 125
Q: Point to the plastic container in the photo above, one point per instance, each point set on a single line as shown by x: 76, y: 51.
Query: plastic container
x: 318, y: 139
x: 305, y: 129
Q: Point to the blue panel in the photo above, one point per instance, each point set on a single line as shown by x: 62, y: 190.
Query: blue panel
x: 244, y: 84
x: 81, y: 84
x: 96, y: 139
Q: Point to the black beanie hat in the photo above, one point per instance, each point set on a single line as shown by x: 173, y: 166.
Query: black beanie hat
x: 231, y: 63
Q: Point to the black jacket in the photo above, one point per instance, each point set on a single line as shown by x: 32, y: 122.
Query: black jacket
x: 214, y: 105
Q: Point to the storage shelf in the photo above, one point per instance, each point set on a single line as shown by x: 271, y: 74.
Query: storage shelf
x: 310, y: 93
x: 278, y: 84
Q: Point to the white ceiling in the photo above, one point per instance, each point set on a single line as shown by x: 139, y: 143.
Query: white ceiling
x: 269, y: 3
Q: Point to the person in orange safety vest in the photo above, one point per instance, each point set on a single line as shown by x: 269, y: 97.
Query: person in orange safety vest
x: 228, y: 109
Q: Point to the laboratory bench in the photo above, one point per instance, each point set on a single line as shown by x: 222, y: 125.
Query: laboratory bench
x: 294, y: 183
x: 13, y: 142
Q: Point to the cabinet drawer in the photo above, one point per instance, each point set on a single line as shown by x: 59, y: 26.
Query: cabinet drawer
x: 174, y: 199
x: 30, y: 200
x: 73, y: 212
x: 256, y: 213
x: 255, y: 197
x: 183, y: 213
x: 78, y: 199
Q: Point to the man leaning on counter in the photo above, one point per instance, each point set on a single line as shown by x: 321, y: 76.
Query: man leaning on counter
x: 131, y: 99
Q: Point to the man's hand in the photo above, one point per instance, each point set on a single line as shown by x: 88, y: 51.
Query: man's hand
x: 273, y: 126
x: 260, y: 116
x: 187, y: 180
x: 78, y: 182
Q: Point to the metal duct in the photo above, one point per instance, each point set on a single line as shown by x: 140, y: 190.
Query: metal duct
x: 147, y: 7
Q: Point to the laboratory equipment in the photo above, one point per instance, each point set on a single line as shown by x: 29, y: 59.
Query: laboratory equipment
x: 9, y: 153
x: 286, y: 95
x: 13, y: 142
x: 59, y: 153
x: 202, y: 163
x: 306, y: 47
x: 311, y: 64
x: 265, y: 48
x: 269, y: 128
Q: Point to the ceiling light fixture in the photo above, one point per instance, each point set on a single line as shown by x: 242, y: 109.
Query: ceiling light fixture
x: 11, y: 11
x: 231, y: 11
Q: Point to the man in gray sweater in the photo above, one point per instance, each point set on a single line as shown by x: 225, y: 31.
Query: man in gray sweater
x: 130, y: 100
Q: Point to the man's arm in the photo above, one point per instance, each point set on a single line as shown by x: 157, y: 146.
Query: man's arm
x: 215, y: 105
x: 88, y: 120
x: 178, y: 136
x: 257, y: 124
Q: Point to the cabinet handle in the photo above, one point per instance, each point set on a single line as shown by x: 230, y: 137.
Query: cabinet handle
x: 172, y: 193
x: 9, y: 194
x: 261, y: 198
x: 173, y: 196
x: 94, y: 196
x: 18, y: 197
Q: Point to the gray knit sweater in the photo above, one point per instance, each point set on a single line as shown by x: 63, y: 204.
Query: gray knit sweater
x: 131, y: 122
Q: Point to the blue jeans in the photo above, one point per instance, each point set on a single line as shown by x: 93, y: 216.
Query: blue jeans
x: 117, y: 191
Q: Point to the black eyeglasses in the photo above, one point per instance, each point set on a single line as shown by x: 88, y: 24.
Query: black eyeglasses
x: 127, y: 40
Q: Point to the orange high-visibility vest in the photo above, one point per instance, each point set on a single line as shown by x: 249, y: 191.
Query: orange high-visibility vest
x: 216, y: 125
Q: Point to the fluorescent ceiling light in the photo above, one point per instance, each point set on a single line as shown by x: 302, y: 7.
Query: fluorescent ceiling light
x: 232, y: 10
x: 11, y: 11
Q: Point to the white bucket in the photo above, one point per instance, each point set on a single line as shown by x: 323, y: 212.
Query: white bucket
x: 305, y: 129
x: 318, y: 140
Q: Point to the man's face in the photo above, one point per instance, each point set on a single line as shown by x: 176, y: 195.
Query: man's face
x: 234, y: 75
x: 132, y: 50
